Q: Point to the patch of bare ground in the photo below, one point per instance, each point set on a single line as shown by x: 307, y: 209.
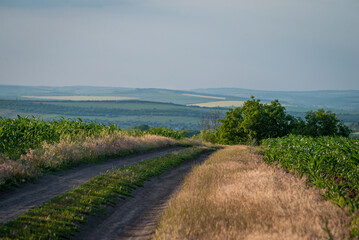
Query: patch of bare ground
x: 235, y: 195
x: 18, y: 201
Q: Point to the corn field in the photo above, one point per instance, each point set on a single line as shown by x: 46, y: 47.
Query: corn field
x: 22, y: 133
x: 330, y: 163
x: 30, y: 146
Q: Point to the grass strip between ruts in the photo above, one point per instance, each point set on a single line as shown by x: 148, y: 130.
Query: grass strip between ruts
x: 59, y: 217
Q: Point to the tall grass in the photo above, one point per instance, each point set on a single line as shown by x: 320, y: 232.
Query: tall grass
x: 329, y: 163
x: 22, y: 133
x: 235, y: 195
x: 15, y: 172
x: 69, y: 152
x: 30, y: 146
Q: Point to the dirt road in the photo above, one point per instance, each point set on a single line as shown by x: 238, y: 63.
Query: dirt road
x: 20, y: 200
x: 136, y: 217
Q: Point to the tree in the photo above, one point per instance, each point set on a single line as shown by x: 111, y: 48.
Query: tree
x: 231, y: 131
x: 324, y: 123
x: 255, y: 121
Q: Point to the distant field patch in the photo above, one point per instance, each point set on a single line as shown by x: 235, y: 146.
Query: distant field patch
x: 202, y: 96
x: 83, y: 98
x: 219, y: 104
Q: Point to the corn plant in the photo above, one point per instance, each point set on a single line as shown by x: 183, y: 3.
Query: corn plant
x: 166, y: 132
x: 22, y: 133
x: 330, y: 163
x: 159, y: 131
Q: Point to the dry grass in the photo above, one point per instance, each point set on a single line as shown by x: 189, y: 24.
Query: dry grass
x: 202, y: 96
x: 108, y: 144
x: 13, y: 171
x: 73, y: 150
x: 219, y: 104
x: 235, y: 195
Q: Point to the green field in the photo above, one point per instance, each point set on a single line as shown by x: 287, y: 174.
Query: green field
x: 122, y: 113
x: 160, y: 107
x: 146, y: 94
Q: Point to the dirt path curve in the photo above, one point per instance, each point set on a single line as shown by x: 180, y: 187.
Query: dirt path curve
x: 136, y: 217
x: 20, y: 200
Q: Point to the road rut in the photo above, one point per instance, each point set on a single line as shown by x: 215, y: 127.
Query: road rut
x: 18, y: 201
x: 136, y: 217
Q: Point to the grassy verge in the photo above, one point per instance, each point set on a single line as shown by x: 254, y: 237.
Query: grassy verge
x: 235, y: 195
x: 59, y: 218
x: 73, y: 152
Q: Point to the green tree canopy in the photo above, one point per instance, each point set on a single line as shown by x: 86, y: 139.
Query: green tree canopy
x: 255, y: 121
x: 324, y: 123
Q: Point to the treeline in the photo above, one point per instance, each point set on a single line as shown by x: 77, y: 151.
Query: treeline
x: 255, y: 121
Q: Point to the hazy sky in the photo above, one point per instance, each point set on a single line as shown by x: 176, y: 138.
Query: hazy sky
x: 181, y: 44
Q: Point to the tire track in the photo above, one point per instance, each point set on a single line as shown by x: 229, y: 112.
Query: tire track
x: 18, y: 201
x: 136, y: 217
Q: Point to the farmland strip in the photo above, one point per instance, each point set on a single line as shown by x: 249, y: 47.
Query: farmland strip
x: 19, y: 201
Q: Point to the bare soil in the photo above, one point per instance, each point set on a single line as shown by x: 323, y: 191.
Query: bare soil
x: 18, y: 201
x: 137, y: 217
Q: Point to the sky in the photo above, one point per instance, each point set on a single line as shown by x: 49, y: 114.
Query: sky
x: 181, y: 44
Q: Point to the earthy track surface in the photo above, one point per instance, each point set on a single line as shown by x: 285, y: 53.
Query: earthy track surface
x: 136, y: 217
x: 18, y: 201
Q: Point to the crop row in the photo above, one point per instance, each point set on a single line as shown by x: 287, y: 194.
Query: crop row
x: 160, y: 131
x: 330, y: 163
x: 22, y: 133
x: 59, y: 218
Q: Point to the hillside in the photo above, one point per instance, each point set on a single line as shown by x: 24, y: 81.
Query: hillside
x: 144, y: 94
x: 123, y: 113
x: 333, y: 99
x: 129, y: 107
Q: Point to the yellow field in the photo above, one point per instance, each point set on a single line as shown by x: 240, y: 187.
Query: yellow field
x: 83, y: 98
x: 202, y: 96
x: 219, y: 104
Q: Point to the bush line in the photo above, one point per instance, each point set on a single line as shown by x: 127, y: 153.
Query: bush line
x: 59, y: 218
